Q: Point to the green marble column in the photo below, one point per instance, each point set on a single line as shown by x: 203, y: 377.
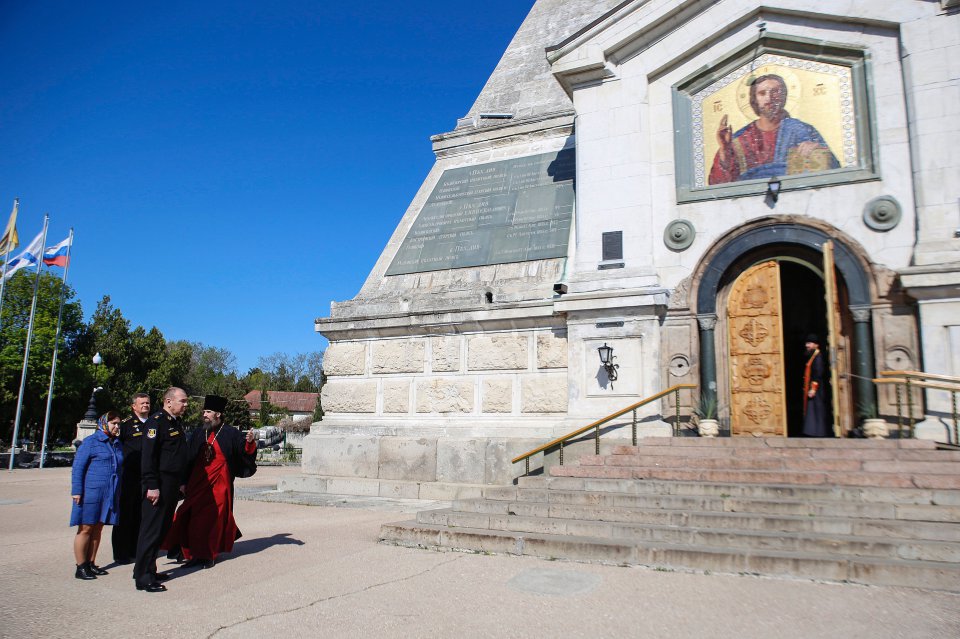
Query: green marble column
x: 708, y: 357
x: 863, y: 369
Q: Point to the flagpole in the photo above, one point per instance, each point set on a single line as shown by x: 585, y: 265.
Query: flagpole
x: 6, y: 257
x: 26, y: 351
x: 56, y: 346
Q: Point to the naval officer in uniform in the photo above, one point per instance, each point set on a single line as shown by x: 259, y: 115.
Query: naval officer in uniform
x: 127, y: 530
x: 164, y: 462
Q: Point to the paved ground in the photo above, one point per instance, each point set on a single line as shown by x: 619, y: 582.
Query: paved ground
x: 318, y: 571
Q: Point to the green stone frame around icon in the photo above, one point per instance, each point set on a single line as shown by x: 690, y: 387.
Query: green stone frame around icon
x: 856, y: 59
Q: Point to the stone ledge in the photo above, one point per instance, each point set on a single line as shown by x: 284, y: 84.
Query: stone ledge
x: 363, y: 487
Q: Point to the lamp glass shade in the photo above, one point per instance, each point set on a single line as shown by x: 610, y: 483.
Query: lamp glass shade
x: 606, y: 353
x: 97, y: 360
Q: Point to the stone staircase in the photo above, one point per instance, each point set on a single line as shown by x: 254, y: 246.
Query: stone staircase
x: 882, y: 512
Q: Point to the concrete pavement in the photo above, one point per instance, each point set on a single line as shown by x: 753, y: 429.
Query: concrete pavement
x: 317, y: 570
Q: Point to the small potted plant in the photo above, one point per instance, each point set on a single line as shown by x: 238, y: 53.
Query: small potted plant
x: 873, y: 426
x: 706, y: 412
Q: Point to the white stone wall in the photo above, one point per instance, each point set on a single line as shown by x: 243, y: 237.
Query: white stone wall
x: 479, y: 375
x: 625, y: 143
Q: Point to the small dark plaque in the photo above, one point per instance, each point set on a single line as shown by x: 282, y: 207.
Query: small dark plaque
x: 613, y: 245
x: 510, y: 211
x: 618, y: 324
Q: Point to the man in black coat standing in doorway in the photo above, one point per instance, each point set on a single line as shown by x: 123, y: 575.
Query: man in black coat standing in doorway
x: 816, y: 413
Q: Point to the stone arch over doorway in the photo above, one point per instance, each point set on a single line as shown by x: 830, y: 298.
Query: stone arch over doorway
x: 785, y: 237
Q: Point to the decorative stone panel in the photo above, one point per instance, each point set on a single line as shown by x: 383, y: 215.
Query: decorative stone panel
x: 396, y: 396
x: 543, y: 394
x: 551, y: 350
x: 497, y: 352
x: 398, y: 356
x: 497, y: 395
x: 349, y: 396
x: 446, y: 354
x: 444, y: 396
x: 344, y: 358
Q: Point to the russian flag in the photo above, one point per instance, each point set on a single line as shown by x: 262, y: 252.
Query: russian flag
x: 58, y: 255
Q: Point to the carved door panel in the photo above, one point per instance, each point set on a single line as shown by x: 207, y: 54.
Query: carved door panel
x: 757, y: 393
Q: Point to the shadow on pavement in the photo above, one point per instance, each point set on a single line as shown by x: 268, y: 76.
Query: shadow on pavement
x: 251, y: 546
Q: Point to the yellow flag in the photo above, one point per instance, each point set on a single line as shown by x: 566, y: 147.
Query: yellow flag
x: 10, y: 239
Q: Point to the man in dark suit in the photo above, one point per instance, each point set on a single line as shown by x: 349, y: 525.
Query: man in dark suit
x: 127, y: 530
x: 165, y: 458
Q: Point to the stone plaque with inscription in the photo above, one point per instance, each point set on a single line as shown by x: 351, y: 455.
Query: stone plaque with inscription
x: 509, y: 211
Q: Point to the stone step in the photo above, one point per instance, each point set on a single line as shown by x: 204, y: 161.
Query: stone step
x: 868, y: 494
x: 720, y: 503
x: 874, y: 571
x: 919, y: 479
x: 929, y: 462
x: 766, y: 452
x: 687, y: 533
x: 776, y: 442
x: 857, y: 527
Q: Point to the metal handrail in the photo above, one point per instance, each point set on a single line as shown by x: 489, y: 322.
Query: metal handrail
x: 911, y: 379
x: 559, y: 441
x: 950, y: 379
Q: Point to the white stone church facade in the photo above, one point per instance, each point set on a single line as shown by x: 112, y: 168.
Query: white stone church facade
x: 581, y: 202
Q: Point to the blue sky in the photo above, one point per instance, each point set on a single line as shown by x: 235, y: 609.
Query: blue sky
x: 230, y: 168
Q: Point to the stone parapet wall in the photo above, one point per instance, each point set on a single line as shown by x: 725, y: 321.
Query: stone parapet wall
x: 482, y: 460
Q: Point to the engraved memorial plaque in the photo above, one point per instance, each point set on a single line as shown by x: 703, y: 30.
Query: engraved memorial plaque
x: 508, y: 211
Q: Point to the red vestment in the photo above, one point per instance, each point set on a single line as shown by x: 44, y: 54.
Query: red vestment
x: 203, y: 525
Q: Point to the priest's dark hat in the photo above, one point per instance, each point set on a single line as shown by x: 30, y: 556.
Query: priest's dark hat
x: 215, y: 403
x: 812, y: 337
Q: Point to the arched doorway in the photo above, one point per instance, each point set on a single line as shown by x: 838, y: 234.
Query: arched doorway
x: 775, y: 298
x: 733, y: 368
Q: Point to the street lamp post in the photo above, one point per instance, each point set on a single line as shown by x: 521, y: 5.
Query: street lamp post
x: 91, y: 414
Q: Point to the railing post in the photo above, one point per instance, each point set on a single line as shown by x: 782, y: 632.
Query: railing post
x: 899, y: 409
x: 910, y: 406
x: 956, y: 433
x: 635, y: 421
x: 597, y: 439
x: 561, y: 453
x: 676, y: 403
x: 526, y: 466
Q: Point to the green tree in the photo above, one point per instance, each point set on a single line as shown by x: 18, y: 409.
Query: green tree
x: 299, y: 372
x: 74, y: 379
x: 264, y: 408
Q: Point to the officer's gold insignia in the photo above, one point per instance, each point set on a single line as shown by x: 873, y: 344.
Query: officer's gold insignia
x: 151, y: 433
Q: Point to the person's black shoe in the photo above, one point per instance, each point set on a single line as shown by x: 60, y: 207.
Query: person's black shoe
x: 83, y: 572
x: 152, y: 587
x: 176, y: 554
x: 95, y: 569
x: 201, y: 563
x: 123, y: 561
x: 161, y: 576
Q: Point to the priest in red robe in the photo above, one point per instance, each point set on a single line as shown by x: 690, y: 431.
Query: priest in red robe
x: 204, y: 526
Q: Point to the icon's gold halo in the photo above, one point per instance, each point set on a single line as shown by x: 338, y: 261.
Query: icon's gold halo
x: 794, y: 89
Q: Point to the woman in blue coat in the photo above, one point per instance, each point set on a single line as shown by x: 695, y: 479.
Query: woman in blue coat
x: 96, y: 492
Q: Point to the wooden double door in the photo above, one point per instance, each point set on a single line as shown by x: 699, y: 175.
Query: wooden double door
x: 765, y: 349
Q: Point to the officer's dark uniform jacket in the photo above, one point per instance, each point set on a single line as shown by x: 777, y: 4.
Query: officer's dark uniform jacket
x: 125, y: 533
x: 131, y: 436
x: 165, y: 455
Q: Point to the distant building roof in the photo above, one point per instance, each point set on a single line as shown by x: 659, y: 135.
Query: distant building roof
x: 290, y: 400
